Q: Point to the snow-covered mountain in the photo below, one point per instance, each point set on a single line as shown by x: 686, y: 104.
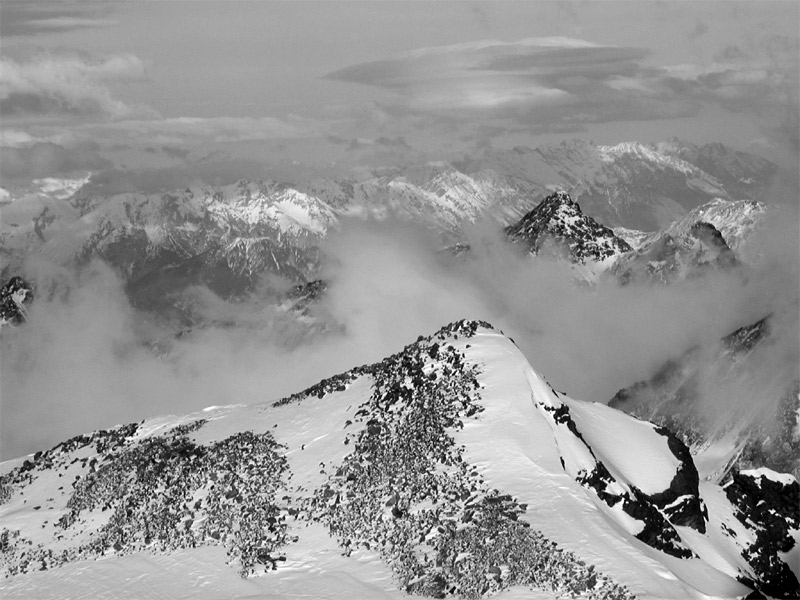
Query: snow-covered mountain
x: 240, y: 230
x: 436, y: 194
x: 558, y: 220
x: 689, y: 247
x: 451, y: 468
x: 717, y: 235
x: 632, y: 185
x: 681, y: 251
x: 162, y: 243
x: 744, y: 175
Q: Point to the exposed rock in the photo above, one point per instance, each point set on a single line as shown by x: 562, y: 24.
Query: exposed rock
x: 769, y: 505
x: 15, y: 296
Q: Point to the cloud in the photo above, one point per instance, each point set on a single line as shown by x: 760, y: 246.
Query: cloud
x: 392, y: 143
x: 546, y: 85
x: 45, y: 159
x: 762, y: 79
x: 700, y: 29
x: 480, y: 75
x: 551, y: 77
x: 87, y: 359
x: 68, y: 84
x: 30, y: 18
x: 177, y: 130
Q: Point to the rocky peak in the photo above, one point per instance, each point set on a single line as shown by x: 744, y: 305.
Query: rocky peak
x: 559, y: 219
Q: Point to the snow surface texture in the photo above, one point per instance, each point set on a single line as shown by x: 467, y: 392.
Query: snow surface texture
x: 450, y: 468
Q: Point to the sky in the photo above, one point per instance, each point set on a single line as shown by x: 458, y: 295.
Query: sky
x: 214, y: 91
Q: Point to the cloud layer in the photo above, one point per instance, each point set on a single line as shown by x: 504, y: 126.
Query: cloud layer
x: 73, y: 84
x: 32, y: 18
x: 86, y: 359
x: 45, y: 159
x: 564, y: 84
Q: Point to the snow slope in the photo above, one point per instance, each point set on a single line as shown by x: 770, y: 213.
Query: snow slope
x: 450, y: 468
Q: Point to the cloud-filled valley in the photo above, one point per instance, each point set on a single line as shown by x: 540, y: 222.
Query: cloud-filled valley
x: 88, y: 359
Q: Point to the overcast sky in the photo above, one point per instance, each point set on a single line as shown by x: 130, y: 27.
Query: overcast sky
x: 222, y: 89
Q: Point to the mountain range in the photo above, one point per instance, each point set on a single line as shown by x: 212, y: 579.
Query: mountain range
x: 229, y: 237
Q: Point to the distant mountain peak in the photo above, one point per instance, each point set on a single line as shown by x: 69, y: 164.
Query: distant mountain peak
x: 558, y: 218
x: 688, y: 248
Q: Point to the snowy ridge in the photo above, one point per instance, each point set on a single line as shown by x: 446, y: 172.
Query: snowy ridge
x: 448, y: 469
x: 611, y: 153
x: 436, y: 194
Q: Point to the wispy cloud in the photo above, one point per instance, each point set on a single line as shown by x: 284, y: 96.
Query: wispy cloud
x: 762, y: 79
x: 46, y: 159
x: 71, y: 84
x: 563, y: 84
x: 503, y: 78
x: 32, y: 18
x: 214, y: 129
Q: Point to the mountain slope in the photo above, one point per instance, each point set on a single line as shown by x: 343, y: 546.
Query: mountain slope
x: 678, y: 252
x: 452, y: 464
x: 762, y: 432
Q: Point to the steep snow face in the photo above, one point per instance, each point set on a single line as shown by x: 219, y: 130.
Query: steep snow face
x: 449, y: 469
x: 558, y: 220
x: 655, y: 158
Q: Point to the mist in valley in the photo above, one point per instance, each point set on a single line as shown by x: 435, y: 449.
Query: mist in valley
x: 86, y: 359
